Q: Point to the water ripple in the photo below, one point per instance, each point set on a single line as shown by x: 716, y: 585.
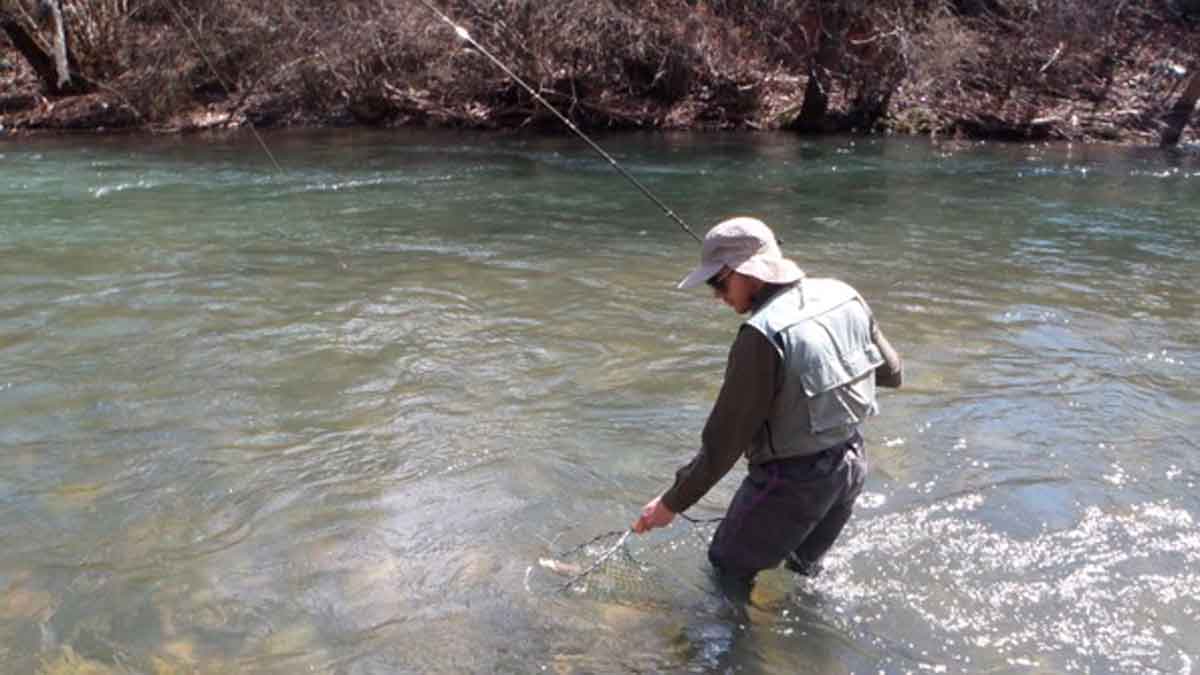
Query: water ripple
x: 325, y: 418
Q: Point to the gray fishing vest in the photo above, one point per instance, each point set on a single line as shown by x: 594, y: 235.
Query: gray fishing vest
x: 821, y: 329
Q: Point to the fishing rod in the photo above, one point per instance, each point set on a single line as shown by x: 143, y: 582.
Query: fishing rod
x: 462, y: 33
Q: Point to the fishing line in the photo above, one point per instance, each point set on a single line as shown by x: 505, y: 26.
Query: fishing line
x: 462, y: 33
x: 594, y: 562
x: 609, y: 551
x: 176, y: 11
x: 606, y: 567
x: 605, y: 560
x: 579, y: 572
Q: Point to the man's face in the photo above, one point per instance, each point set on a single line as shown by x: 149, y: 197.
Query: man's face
x: 735, y: 290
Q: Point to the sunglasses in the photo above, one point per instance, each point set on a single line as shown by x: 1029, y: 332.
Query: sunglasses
x: 720, y: 281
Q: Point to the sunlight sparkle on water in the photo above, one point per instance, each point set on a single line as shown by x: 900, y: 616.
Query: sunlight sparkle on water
x: 1059, y: 596
x: 1118, y: 476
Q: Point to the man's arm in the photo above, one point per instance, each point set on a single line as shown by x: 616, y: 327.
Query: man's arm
x: 746, y: 396
x: 891, y: 371
x: 740, y: 410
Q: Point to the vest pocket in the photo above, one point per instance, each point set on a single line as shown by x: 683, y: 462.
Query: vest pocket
x: 842, y: 392
x: 848, y: 404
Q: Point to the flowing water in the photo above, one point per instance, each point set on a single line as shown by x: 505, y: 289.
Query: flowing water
x: 328, y: 420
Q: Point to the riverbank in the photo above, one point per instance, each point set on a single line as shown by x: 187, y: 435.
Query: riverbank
x: 1007, y: 70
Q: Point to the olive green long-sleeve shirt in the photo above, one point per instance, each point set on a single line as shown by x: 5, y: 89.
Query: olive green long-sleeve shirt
x: 752, y: 376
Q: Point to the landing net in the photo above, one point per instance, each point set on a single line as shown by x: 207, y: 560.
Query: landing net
x: 622, y: 567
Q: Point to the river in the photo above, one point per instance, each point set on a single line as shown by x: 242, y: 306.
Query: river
x: 329, y: 418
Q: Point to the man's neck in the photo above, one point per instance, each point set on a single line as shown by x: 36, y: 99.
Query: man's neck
x: 764, y: 294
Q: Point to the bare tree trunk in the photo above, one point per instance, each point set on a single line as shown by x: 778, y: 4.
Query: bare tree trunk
x: 816, y: 102
x: 59, y: 47
x: 1181, y: 112
x: 813, y: 112
x: 25, y: 43
x: 53, y: 68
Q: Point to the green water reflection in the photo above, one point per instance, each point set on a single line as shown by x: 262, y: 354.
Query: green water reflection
x: 327, y: 419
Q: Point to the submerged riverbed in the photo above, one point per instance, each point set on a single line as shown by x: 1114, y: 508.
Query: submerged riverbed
x: 328, y: 419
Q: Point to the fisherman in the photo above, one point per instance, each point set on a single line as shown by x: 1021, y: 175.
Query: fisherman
x: 799, y: 383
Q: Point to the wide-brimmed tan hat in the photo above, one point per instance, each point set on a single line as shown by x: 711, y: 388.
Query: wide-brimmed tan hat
x: 747, y: 246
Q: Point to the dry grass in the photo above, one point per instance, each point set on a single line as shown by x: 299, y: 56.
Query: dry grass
x: 915, y: 65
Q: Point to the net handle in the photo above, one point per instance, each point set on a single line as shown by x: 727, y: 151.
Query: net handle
x: 599, y: 560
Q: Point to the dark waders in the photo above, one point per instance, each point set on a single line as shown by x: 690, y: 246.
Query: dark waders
x: 789, y: 509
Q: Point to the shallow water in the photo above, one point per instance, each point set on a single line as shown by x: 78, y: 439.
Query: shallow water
x: 328, y: 419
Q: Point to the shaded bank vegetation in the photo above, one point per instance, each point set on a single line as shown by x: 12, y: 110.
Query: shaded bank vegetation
x: 1016, y: 69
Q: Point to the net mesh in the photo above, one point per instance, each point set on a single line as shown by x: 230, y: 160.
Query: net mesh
x: 621, y: 567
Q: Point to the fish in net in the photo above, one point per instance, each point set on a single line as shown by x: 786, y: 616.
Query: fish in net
x: 618, y: 567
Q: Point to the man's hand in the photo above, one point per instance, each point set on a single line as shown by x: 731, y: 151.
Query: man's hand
x: 654, y: 514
